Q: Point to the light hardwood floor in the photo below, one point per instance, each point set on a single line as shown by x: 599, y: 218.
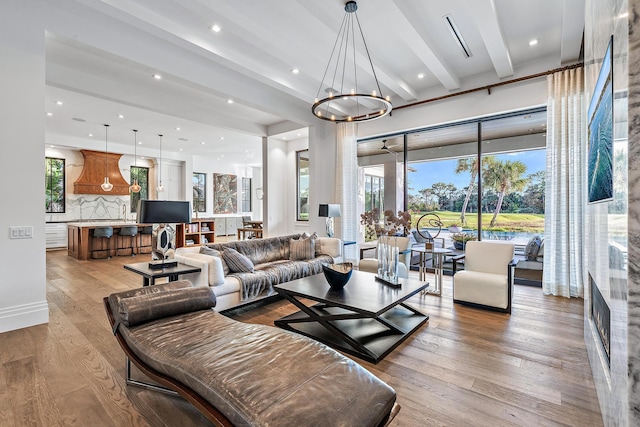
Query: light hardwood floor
x: 465, y: 367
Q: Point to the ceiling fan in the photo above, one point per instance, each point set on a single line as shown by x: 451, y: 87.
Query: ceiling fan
x: 387, y: 149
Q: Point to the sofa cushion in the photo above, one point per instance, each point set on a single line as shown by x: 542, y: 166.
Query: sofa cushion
x: 540, y: 256
x: 316, y: 242
x: 141, y: 309
x: 236, y: 261
x: 302, y: 248
x: 531, y: 251
x: 214, y: 252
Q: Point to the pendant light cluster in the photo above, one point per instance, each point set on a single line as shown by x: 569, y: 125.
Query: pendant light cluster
x: 106, y: 185
x: 135, y: 185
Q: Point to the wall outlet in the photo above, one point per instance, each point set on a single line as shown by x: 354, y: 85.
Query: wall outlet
x: 23, y: 232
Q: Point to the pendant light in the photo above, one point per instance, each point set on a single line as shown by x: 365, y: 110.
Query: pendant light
x: 351, y: 98
x: 106, y: 185
x: 160, y: 188
x: 135, y: 187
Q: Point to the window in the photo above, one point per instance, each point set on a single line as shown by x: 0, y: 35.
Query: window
x: 302, y: 185
x: 373, y: 193
x: 142, y: 175
x: 54, y: 182
x: 199, y: 192
x: 246, y: 194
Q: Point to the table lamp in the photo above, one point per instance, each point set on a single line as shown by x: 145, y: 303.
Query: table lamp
x: 164, y: 213
x: 329, y: 211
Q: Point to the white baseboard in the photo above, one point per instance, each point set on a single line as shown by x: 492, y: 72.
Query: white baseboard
x: 23, y: 316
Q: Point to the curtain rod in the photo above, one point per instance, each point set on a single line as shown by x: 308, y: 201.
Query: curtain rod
x: 488, y: 87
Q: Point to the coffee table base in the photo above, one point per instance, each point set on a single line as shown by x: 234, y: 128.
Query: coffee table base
x: 369, y: 338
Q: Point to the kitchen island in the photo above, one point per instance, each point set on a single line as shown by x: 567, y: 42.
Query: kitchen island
x: 81, y: 242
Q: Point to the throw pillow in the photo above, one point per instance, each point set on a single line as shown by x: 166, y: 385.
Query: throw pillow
x: 236, y: 261
x: 213, y: 252
x: 531, y: 251
x: 301, y: 249
x: 316, y: 242
x: 540, y: 256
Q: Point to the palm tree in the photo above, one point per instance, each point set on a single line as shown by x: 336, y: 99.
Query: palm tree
x: 470, y: 164
x: 505, y: 177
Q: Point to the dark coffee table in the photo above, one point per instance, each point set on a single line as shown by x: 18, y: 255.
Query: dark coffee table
x: 366, y: 318
x: 149, y: 275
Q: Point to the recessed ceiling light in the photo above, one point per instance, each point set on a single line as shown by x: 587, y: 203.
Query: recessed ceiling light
x: 421, y: 76
x: 52, y: 146
x: 77, y: 119
x: 222, y: 137
x: 295, y: 71
x: 182, y: 139
x: 284, y: 137
x: 120, y: 116
x: 157, y: 76
x: 58, y: 102
x: 533, y: 42
x: 177, y: 128
x: 202, y: 143
x: 229, y: 101
x: 181, y: 149
x: 49, y: 114
x: 299, y: 134
x: 90, y: 134
x: 221, y: 155
x: 216, y: 28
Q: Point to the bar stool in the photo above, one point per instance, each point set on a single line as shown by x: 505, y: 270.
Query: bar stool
x: 130, y: 231
x: 102, y: 233
x: 146, y: 230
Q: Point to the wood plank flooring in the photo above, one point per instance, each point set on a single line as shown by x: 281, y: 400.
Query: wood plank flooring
x: 465, y: 367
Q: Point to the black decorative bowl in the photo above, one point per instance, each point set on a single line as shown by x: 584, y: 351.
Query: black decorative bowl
x: 337, y: 275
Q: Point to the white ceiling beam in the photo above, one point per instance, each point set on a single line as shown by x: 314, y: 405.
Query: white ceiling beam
x: 572, y: 30
x: 407, y: 25
x: 486, y: 18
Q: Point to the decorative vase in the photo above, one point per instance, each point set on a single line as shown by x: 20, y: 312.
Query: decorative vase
x: 459, y: 245
x: 388, y: 259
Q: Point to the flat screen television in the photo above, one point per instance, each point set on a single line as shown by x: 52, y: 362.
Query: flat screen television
x: 600, y: 133
x: 164, y: 212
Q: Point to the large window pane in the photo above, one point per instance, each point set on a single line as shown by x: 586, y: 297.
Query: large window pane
x: 302, y: 192
x: 199, y: 192
x: 246, y: 194
x: 54, y: 185
x: 142, y: 175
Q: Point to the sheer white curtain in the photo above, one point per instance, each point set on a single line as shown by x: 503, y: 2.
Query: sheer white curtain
x: 347, y: 185
x: 565, y: 195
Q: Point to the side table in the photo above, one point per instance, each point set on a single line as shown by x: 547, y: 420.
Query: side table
x: 149, y: 275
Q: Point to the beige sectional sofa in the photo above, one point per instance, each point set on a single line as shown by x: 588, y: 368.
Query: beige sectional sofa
x: 272, y: 263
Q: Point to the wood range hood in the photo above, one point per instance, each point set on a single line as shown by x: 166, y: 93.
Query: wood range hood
x: 92, y: 175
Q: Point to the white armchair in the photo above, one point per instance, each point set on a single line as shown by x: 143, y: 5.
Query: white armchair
x: 371, y: 264
x: 487, y: 280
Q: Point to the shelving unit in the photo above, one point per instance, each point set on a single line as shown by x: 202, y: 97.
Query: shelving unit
x: 197, y: 232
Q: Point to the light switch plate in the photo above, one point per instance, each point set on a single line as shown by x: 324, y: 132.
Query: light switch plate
x: 21, y: 232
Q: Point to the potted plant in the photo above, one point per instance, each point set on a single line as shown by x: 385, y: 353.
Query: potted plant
x: 460, y: 240
x: 391, y: 225
x: 455, y: 228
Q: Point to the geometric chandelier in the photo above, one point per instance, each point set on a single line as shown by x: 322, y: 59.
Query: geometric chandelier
x: 348, y: 98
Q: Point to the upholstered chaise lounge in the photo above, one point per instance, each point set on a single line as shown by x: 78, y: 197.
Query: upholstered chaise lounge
x: 241, y: 374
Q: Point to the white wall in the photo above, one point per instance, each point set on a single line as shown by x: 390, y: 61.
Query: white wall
x: 275, y: 153
x: 512, y: 97
x: 213, y: 164
x: 22, y: 120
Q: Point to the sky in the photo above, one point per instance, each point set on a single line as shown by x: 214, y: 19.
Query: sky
x: 428, y: 173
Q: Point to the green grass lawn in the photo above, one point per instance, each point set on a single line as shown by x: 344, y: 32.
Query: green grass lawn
x: 525, y: 222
